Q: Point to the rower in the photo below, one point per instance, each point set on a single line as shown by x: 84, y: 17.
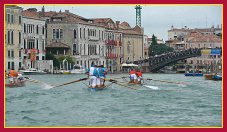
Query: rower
x: 13, y: 76
x: 92, y: 71
x: 20, y: 78
x: 139, y: 76
x: 98, y: 75
x: 102, y: 75
x: 133, y: 77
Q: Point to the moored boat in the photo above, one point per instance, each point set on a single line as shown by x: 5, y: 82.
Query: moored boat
x: 217, y: 77
x: 66, y: 72
x: 208, y: 76
x: 194, y: 74
x: 77, y: 69
x: 33, y: 72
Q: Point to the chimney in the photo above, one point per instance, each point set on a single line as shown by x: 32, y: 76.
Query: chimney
x: 172, y: 27
x: 117, y: 23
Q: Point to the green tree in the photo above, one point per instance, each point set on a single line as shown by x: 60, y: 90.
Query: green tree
x: 50, y: 56
x: 157, y: 49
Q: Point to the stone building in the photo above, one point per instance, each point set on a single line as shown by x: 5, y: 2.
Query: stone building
x: 13, y: 37
x: 133, y: 48
x: 79, y: 37
x: 33, y: 38
x: 113, y: 42
x: 206, y: 42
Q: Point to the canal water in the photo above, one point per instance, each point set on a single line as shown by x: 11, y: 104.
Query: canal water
x: 169, y: 100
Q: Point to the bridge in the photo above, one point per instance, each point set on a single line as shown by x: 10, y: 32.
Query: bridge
x: 157, y: 62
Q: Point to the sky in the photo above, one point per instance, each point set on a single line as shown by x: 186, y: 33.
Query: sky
x: 155, y: 19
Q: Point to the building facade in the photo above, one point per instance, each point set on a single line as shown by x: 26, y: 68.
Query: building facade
x: 13, y: 39
x: 78, y: 37
x: 33, y: 48
x: 206, y: 42
x: 133, y: 46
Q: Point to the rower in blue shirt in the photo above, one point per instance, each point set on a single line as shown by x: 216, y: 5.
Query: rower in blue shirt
x: 102, y: 75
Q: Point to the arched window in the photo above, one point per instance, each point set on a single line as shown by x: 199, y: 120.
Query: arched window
x: 74, y: 49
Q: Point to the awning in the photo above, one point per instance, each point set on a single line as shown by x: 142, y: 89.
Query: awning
x: 124, y: 64
x: 132, y: 65
x: 215, y: 52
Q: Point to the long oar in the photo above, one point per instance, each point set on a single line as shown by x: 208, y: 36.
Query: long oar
x: 115, y: 81
x: 119, y: 77
x: 70, y: 82
x: 107, y: 79
x: 165, y: 81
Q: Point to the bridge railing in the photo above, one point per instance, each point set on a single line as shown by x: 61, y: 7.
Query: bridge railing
x: 159, y: 61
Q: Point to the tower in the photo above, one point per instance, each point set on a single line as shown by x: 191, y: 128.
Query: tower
x: 138, y: 15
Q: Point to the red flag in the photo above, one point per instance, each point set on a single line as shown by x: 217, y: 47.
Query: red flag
x: 33, y: 54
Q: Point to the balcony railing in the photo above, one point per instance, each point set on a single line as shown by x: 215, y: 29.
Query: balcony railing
x: 27, y: 51
x: 111, y: 56
x: 110, y: 42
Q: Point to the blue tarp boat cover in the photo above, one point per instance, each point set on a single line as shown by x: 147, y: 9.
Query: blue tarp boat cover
x: 215, y: 52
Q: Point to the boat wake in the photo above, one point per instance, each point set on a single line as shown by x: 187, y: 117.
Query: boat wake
x: 46, y: 86
x: 151, y: 87
x: 182, y: 85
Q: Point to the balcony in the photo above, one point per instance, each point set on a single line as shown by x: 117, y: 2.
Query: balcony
x: 111, y: 56
x: 111, y: 42
x: 28, y: 51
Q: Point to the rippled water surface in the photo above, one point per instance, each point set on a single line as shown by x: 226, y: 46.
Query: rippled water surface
x: 162, y: 102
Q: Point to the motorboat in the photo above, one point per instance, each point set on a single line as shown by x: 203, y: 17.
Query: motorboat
x: 194, y: 74
x: 33, y: 71
x: 77, y: 69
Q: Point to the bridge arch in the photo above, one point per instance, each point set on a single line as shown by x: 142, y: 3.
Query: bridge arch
x: 159, y: 61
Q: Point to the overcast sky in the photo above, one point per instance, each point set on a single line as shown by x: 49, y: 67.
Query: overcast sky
x: 156, y: 19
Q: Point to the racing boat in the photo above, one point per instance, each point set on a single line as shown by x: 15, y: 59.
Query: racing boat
x: 14, y: 85
x: 97, y: 89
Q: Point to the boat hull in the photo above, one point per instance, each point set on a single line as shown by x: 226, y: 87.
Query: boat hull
x: 208, y: 76
x: 34, y: 73
x: 194, y: 74
x: 11, y: 85
x: 213, y: 77
x: 96, y: 89
x: 217, y: 78
x: 134, y: 83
